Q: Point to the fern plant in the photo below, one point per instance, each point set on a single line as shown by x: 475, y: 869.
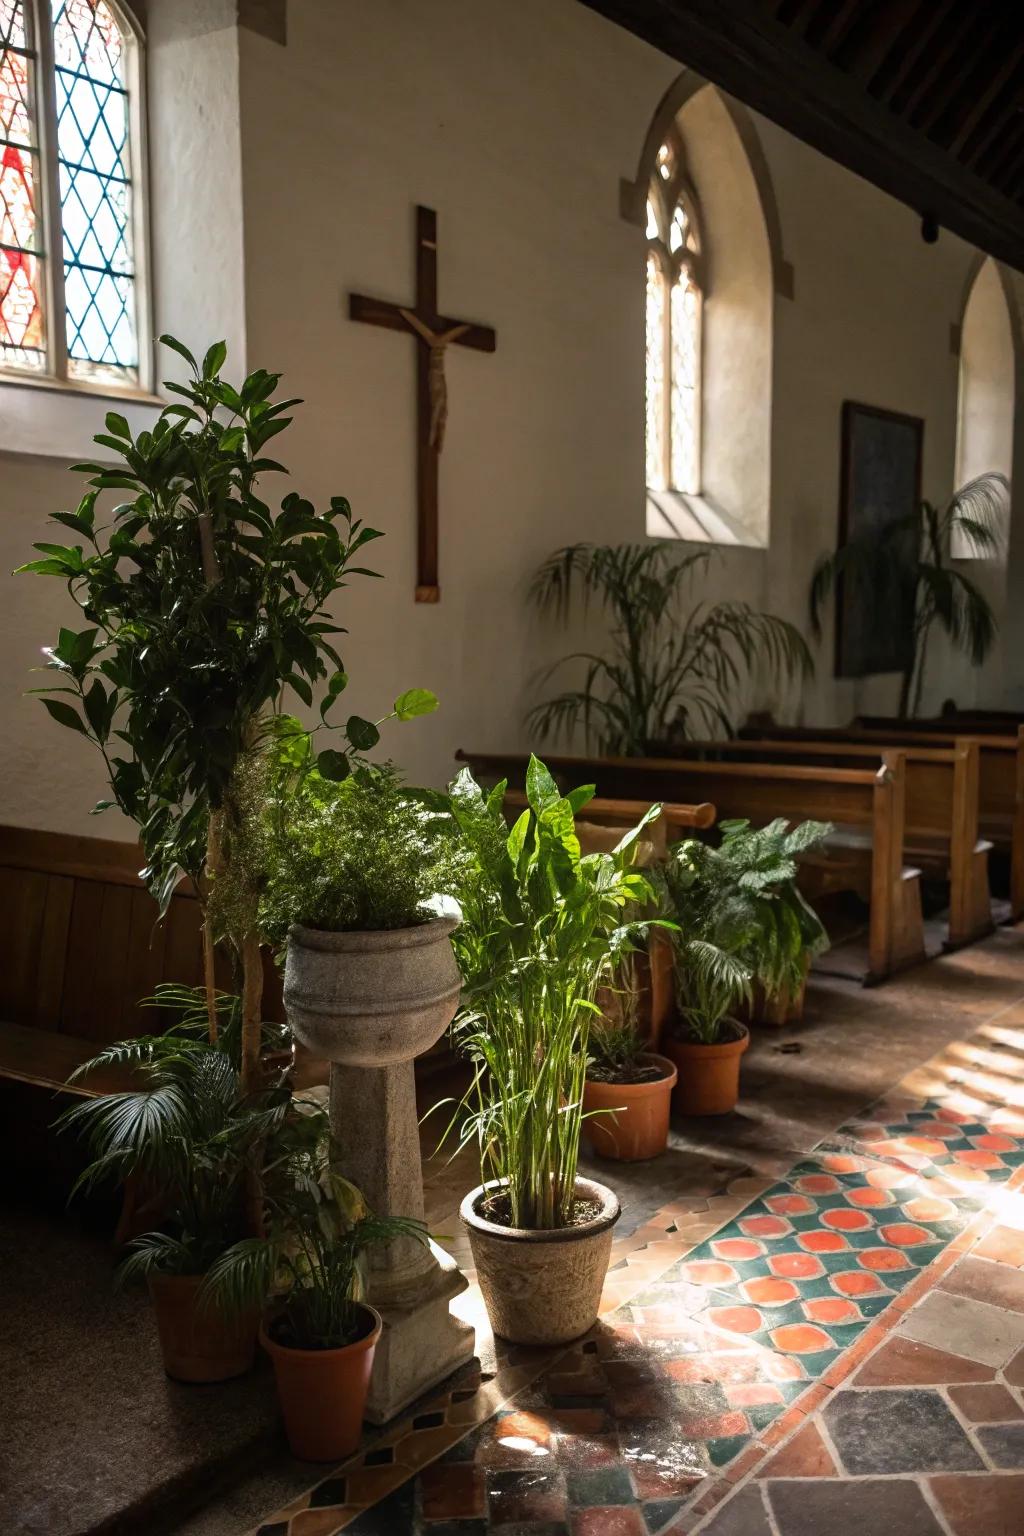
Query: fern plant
x: 741, y: 919
x: 666, y: 672
x: 310, y: 1261
x: 907, y: 566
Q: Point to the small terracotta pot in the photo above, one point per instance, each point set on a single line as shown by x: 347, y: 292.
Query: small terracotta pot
x: 198, y: 1342
x: 637, y: 1128
x: 709, y: 1075
x: 323, y: 1393
x: 542, y: 1287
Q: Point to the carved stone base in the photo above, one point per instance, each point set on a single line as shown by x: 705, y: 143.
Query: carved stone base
x: 422, y: 1343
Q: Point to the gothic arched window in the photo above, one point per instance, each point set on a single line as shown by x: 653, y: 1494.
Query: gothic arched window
x: 70, y: 174
x: 675, y: 303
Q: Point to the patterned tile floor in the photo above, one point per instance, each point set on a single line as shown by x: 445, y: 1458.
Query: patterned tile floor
x: 840, y: 1349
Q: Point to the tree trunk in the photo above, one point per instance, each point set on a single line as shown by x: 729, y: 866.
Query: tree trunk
x: 213, y: 867
x: 252, y: 1022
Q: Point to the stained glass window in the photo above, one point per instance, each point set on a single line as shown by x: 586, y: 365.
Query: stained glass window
x: 674, y: 314
x: 75, y: 81
x: 21, y: 266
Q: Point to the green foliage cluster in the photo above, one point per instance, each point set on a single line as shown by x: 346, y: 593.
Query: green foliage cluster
x: 361, y: 854
x: 309, y: 1260
x: 202, y: 604
x: 908, y: 568
x: 542, y: 928
x: 741, y: 919
x: 616, y: 1040
x: 667, y: 673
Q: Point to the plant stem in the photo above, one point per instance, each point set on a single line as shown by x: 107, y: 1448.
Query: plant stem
x: 213, y: 861
x: 252, y: 998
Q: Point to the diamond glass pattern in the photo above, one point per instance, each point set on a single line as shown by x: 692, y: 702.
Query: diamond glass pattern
x: 21, y: 314
x: 95, y: 188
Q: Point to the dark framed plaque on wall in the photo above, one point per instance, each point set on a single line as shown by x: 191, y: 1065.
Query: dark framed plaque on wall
x: 880, y: 483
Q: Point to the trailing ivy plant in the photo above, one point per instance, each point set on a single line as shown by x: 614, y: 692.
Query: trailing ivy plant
x: 668, y: 670
x: 203, y: 608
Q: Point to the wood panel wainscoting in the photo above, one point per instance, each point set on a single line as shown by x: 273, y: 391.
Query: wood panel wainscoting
x: 871, y: 800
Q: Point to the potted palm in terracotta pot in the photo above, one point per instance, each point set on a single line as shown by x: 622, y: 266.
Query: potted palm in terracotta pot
x: 628, y: 1090
x: 190, y: 1132
x: 308, y: 1271
x: 542, y: 927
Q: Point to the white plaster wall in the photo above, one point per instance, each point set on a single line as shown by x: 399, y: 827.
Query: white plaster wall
x: 516, y: 123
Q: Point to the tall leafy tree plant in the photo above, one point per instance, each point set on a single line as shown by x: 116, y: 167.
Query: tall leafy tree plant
x: 668, y: 668
x: 204, y: 609
x: 908, y: 567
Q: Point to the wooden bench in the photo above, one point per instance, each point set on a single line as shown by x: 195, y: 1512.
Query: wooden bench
x: 941, y: 829
x: 1000, y: 780
x: 870, y: 799
x: 80, y: 948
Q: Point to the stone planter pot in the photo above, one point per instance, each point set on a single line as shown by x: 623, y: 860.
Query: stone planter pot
x: 197, y: 1342
x: 709, y: 1075
x: 323, y: 1392
x: 371, y: 999
x: 633, y: 1123
x: 542, y: 1287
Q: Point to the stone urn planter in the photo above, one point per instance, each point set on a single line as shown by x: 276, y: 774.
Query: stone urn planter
x: 370, y: 1003
x: 709, y: 1075
x: 371, y: 999
x: 542, y: 1287
x: 634, y: 1117
x: 323, y: 1392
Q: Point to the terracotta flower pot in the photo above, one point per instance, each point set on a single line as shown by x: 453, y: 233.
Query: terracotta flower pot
x: 371, y: 999
x: 323, y: 1392
x: 637, y: 1128
x: 542, y: 1287
x: 198, y: 1342
x: 709, y: 1075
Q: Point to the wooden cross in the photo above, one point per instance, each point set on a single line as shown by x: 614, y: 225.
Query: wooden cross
x: 434, y: 333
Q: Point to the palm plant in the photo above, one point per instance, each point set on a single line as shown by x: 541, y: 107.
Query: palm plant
x: 906, y: 567
x: 310, y: 1258
x: 616, y: 1039
x: 191, y: 1132
x: 741, y: 919
x: 542, y: 928
x: 666, y: 672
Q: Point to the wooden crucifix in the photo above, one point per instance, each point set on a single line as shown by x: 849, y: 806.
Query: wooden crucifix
x: 434, y: 333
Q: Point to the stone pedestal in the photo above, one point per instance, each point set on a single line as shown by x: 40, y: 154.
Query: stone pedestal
x: 376, y: 1139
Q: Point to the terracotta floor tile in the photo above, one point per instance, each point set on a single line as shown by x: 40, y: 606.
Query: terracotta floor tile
x: 905, y: 1362
x: 989, y: 1403
x: 981, y: 1506
x: 1014, y: 1372
x: 452, y: 1492
x: 967, y: 1327
x: 743, y: 1515
x: 612, y: 1521
x: 806, y: 1455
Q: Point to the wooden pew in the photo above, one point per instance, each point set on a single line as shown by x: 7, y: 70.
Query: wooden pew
x: 942, y: 817
x: 1000, y: 780
x: 79, y: 949
x: 872, y: 800
x: 964, y: 722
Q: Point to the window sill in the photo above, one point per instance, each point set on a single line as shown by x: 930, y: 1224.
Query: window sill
x: 57, y: 418
x: 697, y: 520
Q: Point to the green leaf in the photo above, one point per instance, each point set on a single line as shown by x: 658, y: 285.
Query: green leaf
x: 181, y: 349
x: 336, y: 686
x: 301, y: 687
x: 416, y: 701
x: 363, y: 734
x: 96, y: 710
x: 118, y: 426
x: 541, y: 789
x: 65, y: 715
x: 333, y: 765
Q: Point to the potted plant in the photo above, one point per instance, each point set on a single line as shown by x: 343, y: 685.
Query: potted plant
x: 177, y: 695
x: 742, y: 923
x: 351, y: 876
x: 628, y: 1090
x: 542, y: 927
x: 309, y: 1265
x: 190, y: 1132
x: 667, y: 671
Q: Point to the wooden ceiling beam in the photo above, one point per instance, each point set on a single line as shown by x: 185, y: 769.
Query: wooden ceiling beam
x: 928, y: 25
x: 942, y: 64
x: 880, y: 39
x: 1000, y: 77
x: 742, y: 49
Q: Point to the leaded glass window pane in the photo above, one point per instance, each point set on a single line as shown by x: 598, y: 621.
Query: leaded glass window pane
x: 95, y: 188
x: 686, y: 386
x: 656, y: 381
x: 21, y: 306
